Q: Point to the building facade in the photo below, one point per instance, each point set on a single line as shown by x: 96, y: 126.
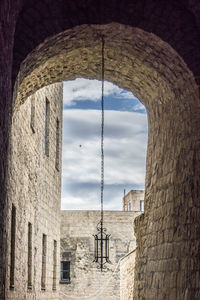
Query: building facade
x: 127, y: 272
x: 134, y: 201
x: 81, y: 277
x: 34, y: 193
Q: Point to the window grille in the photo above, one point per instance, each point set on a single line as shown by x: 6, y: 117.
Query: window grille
x: 54, y: 264
x: 57, y: 144
x: 29, y: 256
x: 12, y: 247
x: 44, y: 253
x: 65, y: 272
x: 47, y: 119
x: 32, y: 123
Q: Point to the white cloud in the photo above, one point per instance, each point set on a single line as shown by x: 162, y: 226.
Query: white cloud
x: 82, y: 89
x: 125, y: 155
x: 139, y: 106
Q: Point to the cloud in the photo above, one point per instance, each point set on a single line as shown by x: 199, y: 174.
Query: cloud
x: 85, y: 89
x: 87, y: 196
x: 85, y: 124
x: 125, y: 155
x: 139, y: 107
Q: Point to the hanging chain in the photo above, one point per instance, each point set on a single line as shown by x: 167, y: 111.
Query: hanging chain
x: 102, y: 131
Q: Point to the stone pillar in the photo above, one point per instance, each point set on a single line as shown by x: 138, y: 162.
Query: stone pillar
x: 7, y: 28
x: 168, y: 261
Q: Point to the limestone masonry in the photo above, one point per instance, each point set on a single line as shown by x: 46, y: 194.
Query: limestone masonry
x: 152, y: 49
x: 34, y: 192
x: 127, y: 270
x: 40, y: 265
x: 134, y: 200
x: 85, y: 280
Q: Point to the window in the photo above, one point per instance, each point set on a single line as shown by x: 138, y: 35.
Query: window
x: 65, y: 272
x: 44, y: 254
x: 46, y: 133
x: 29, y: 256
x: 32, y: 123
x: 141, y: 205
x: 57, y: 144
x: 12, y: 247
x: 129, y: 206
x: 54, y: 264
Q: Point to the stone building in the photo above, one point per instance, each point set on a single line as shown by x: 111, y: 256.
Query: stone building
x: 152, y: 49
x: 81, y: 277
x: 127, y: 272
x: 34, y: 194
x: 134, y: 201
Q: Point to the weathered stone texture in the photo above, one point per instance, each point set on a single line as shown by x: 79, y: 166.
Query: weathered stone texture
x: 77, y: 229
x: 34, y: 188
x: 155, y: 73
x: 154, y: 51
x: 134, y: 60
x: 167, y: 20
x: 127, y: 269
x: 8, y: 13
x: 164, y: 252
x: 158, y: 76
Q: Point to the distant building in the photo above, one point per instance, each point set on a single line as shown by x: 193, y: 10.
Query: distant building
x: 80, y: 275
x: 134, y: 201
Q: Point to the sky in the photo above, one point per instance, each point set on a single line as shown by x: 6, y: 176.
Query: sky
x: 125, y: 142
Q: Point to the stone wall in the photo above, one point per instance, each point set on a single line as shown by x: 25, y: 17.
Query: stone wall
x: 34, y: 189
x: 77, y: 242
x: 127, y: 269
x: 167, y: 259
x: 8, y: 14
x: 165, y: 83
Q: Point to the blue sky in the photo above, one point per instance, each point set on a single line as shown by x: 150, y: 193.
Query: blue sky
x: 124, y: 144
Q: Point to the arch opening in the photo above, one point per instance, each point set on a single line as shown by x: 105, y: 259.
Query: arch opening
x: 124, y: 148
x: 125, y: 140
x: 140, y: 62
x: 135, y: 60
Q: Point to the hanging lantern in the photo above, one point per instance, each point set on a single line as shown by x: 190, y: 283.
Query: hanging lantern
x: 101, y: 246
x: 101, y: 239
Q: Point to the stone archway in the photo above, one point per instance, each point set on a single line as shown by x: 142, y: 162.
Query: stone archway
x: 26, y: 24
x: 155, y: 73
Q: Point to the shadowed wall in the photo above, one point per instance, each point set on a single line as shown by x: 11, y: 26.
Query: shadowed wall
x: 152, y: 48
